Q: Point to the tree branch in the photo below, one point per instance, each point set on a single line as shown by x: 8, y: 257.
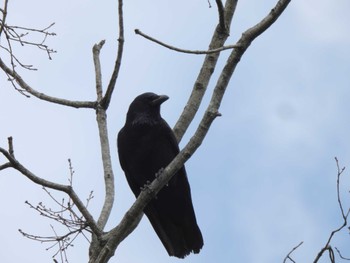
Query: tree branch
x: 107, y: 98
x: 5, y: 166
x: 59, y: 187
x: 290, y: 253
x: 196, y: 52
x: 340, y: 255
x: 327, y: 246
x: 96, y: 56
x: 222, y: 22
x: 209, y: 64
x: 101, y: 118
x: 42, y: 96
x: 205, y: 73
x: 4, y: 14
x: 131, y: 218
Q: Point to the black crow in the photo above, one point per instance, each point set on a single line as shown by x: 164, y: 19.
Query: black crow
x: 146, y: 144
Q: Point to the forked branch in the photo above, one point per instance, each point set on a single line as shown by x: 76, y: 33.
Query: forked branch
x: 345, y: 215
x: 222, y: 21
x: 15, y: 164
x: 207, y: 69
x: 288, y: 257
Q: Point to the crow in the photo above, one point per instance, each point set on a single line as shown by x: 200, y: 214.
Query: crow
x: 146, y: 144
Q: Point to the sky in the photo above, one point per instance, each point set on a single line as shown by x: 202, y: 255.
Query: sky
x: 265, y: 177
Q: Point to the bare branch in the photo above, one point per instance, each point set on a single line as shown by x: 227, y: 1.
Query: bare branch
x: 340, y: 171
x: 196, y: 52
x: 101, y: 118
x: 13, y: 35
x: 96, y: 56
x: 5, y: 166
x: 221, y: 11
x: 327, y: 246
x: 59, y: 187
x: 107, y: 98
x: 4, y: 14
x: 13, y: 57
x: 340, y: 255
x: 290, y: 253
x: 205, y: 73
x: 66, y: 216
x: 42, y: 96
x: 10, y: 142
x: 21, y: 35
x: 209, y: 4
x: 236, y: 54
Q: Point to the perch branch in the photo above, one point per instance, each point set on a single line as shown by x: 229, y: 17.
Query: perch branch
x: 132, y: 217
x: 196, y: 52
x: 107, y: 98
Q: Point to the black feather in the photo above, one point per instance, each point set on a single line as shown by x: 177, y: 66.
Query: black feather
x: 147, y: 144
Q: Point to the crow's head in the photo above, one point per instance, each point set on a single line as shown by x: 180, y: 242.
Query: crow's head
x: 145, y: 109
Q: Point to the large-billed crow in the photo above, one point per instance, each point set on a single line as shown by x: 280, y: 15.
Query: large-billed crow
x: 146, y: 144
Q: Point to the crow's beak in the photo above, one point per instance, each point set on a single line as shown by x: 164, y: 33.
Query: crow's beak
x: 159, y: 100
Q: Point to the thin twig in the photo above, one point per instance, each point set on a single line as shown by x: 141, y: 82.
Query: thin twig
x: 327, y: 246
x: 44, y: 30
x: 15, y: 34
x: 340, y: 255
x: 66, y: 216
x: 196, y: 52
x: 289, y: 254
x: 209, y: 3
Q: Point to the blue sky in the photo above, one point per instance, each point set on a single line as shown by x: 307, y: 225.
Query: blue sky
x: 264, y: 178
